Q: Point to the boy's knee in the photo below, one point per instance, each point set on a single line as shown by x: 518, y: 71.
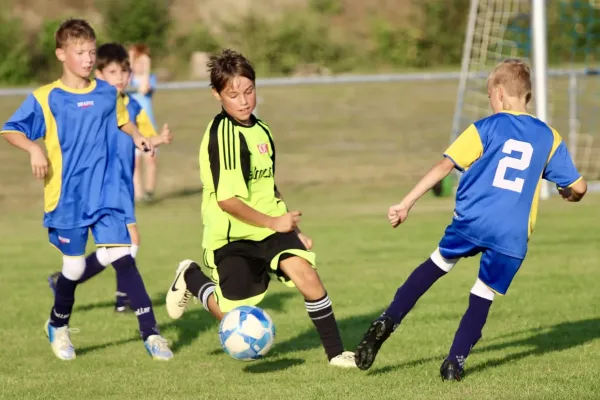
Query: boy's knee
x: 482, y: 290
x: 73, y: 267
x: 444, y: 264
x: 301, y: 272
x: 116, y: 253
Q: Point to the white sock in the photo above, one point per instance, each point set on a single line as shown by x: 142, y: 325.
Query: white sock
x: 134, y: 249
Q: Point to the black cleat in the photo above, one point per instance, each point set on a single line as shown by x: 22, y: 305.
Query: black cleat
x: 451, y: 371
x: 367, y: 349
x: 122, y: 304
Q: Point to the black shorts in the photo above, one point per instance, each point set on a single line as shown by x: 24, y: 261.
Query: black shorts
x: 242, y: 269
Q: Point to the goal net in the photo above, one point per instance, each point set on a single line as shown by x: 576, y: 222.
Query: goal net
x: 499, y: 29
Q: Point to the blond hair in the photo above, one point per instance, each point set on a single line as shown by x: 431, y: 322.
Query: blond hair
x: 73, y: 29
x: 514, y: 76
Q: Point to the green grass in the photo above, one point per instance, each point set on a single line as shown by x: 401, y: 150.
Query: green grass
x: 345, y: 154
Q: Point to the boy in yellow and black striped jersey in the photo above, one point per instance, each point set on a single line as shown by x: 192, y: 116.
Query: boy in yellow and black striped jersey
x: 249, y: 234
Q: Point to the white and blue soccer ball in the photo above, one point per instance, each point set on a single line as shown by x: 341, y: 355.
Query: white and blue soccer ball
x: 247, y: 333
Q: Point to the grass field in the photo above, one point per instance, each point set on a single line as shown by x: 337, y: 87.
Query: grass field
x: 344, y: 154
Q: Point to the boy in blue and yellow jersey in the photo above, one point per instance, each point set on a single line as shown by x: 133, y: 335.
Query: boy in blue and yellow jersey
x: 249, y: 234
x: 112, y: 66
x: 79, y: 121
x: 504, y: 157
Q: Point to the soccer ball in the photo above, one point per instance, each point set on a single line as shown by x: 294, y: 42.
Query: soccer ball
x: 247, y: 333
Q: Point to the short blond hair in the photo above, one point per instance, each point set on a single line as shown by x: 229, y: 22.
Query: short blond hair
x: 515, y: 76
x: 73, y: 29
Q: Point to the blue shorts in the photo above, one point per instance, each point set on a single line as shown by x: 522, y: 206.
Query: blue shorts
x: 496, y: 270
x: 107, y: 231
x: 128, y: 202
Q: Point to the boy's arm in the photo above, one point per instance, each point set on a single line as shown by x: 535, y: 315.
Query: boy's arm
x: 38, y: 160
x: 398, y: 213
x: 165, y: 136
x: 575, y: 192
x: 307, y: 241
x: 224, y: 154
x: 562, y: 171
x: 25, y: 126
x: 247, y: 214
x: 439, y: 171
x: 129, y: 127
x: 465, y: 150
x: 140, y: 141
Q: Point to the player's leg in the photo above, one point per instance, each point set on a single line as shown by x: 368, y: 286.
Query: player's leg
x: 295, y: 266
x: 111, y: 233
x: 451, y: 248
x: 191, y: 281
x: 150, y: 177
x: 137, y: 176
x: 122, y: 303
x: 71, y: 243
x: 238, y: 277
x: 95, y: 263
x: 496, y: 273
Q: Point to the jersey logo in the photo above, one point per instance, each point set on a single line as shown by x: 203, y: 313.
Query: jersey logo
x: 85, y: 104
x: 64, y: 240
x: 263, y: 148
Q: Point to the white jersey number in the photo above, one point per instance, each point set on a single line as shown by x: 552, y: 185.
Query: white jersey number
x: 521, y: 164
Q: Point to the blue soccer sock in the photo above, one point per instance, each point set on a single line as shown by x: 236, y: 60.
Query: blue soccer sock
x: 407, y: 295
x: 129, y: 276
x: 63, y: 302
x: 92, y: 267
x: 470, y: 328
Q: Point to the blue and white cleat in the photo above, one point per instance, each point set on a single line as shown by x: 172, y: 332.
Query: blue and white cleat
x: 60, y: 341
x: 158, y: 348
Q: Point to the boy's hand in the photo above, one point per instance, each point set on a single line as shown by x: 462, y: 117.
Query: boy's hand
x: 306, y: 241
x: 39, y: 162
x: 165, y: 135
x: 142, y: 143
x: 286, y: 223
x: 397, y: 214
x: 565, y: 193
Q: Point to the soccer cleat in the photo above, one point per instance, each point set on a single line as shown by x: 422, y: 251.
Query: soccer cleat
x: 52, y: 282
x: 122, y: 303
x: 148, y: 197
x: 158, y: 347
x: 344, y: 360
x: 178, y: 295
x: 367, y: 349
x: 60, y: 341
x: 451, y: 371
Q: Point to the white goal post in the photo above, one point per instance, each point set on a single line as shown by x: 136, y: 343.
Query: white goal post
x: 564, y: 96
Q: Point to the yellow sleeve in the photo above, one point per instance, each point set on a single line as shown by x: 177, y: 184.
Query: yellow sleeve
x: 122, y: 113
x: 466, y: 149
x: 145, y: 125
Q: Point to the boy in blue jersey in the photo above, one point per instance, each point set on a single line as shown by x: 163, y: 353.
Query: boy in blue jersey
x: 504, y: 157
x: 79, y: 121
x: 112, y: 66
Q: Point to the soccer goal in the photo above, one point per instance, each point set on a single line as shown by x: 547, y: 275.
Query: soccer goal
x: 560, y: 40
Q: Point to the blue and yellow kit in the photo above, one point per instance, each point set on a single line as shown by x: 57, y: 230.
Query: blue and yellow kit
x: 126, y: 152
x: 79, y: 128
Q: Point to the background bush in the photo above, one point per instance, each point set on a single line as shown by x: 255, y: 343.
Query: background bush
x: 305, y: 39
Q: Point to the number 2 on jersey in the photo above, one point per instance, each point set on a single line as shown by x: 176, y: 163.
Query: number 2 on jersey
x: 521, y: 164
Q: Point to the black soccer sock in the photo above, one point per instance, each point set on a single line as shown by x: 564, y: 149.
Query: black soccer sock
x: 407, y: 295
x: 199, y: 284
x: 470, y: 328
x: 63, y: 301
x: 320, y: 312
x: 133, y: 285
x: 92, y: 268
